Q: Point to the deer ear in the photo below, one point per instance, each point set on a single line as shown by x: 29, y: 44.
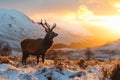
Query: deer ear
x: 54, y: 25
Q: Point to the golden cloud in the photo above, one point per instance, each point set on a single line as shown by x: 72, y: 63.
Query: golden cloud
x: 101, y: 7
x: 84, y: 13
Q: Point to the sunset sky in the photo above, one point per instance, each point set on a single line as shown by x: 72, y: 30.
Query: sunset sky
x: 98, y: 18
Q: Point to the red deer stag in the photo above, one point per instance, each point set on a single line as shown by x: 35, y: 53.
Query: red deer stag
x: 38, y: 46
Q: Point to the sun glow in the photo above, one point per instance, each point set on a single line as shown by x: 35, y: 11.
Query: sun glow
x: 117, y: 6
x: 111, y: 22
x: 84, y: 15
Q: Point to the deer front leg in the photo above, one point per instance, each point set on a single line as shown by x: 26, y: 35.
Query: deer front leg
x: 43, y: 57
x: 38, y: 58
x: 24, y: 58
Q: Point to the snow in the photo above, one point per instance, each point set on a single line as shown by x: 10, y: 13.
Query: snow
x: 15, y: 27
x: 114, y: 46
x: 9, y: 72
x: 43, y: 73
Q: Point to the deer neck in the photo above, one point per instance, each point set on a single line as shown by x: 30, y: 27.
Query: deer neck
x: 47, y: 41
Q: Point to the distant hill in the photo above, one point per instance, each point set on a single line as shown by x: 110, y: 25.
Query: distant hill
x: 111, y: 48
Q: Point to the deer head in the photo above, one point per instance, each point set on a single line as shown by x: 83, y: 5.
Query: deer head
x: 49, y: 30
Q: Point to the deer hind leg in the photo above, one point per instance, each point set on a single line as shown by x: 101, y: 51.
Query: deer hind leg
x: 38, y: 58
x: 23, y: 60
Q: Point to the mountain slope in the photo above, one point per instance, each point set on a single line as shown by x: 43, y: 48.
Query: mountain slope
x: 112, y: 47
x: 15, y: 26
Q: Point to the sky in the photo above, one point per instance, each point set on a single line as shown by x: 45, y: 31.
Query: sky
x: 98, y: 18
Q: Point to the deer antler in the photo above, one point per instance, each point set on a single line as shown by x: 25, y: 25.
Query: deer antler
x: 43, y: 26
x: 53, y: 26
x: 48, y: 26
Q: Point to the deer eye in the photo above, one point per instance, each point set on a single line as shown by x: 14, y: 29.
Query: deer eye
x: 53, y: 33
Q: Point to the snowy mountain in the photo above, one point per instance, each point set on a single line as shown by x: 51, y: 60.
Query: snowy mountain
x: 108, y: 51
x: 15, y: 26
x: 110, y: 48
x: 113, y: 46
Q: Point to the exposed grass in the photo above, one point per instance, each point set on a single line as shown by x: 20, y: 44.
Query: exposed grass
x: 110, y: 68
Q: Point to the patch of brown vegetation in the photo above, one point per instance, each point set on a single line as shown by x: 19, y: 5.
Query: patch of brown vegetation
x: 109, y: 68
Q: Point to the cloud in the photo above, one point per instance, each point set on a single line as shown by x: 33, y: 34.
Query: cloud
x: 41, y: 6
x: 100, y: 7
x: 83, y: 13
x: 60, y: 7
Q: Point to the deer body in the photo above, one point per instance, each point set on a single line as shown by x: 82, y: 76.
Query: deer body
x: 38, y: 46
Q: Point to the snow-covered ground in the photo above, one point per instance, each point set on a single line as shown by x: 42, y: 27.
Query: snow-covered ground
x: 9, y: 72
x: 52, y: 70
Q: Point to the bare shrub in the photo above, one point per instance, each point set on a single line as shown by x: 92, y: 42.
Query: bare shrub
x: 3, y: 60
x: 82, y: 64
x: 53, y: 55
x: 5, y: 49
x: 89, y: 54
x: 106, y: 73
